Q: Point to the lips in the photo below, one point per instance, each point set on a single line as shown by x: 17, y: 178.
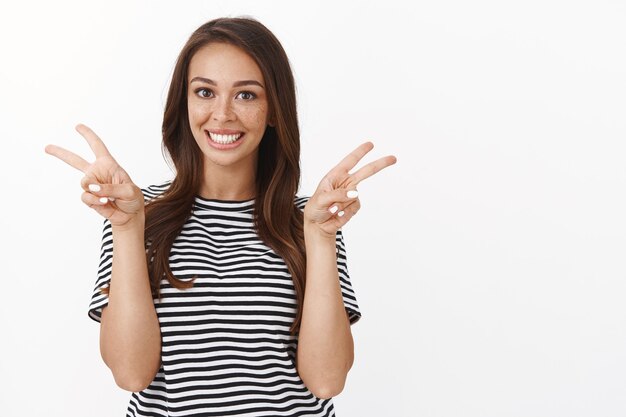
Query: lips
x: 224, y: 136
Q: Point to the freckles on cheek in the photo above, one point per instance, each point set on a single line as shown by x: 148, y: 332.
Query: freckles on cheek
x: 257, y: 114
x: 260, y: 118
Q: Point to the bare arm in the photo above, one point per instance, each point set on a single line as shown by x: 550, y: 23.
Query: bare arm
x: 325, y: 345
x: 130, y: 338
x: 130, y: 341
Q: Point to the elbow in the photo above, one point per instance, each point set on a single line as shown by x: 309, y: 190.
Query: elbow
x: 324, y: 392
x: 132, y: 378
x: 132, y: 374
x: 324, y: 379
x: 132, y: 383
x: 325, y: 386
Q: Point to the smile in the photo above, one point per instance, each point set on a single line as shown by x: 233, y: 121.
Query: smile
x: 224, y: 139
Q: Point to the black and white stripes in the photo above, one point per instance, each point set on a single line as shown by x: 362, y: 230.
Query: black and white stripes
x: 226, y: 347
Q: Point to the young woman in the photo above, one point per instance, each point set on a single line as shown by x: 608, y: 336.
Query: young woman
x: 221, y: 292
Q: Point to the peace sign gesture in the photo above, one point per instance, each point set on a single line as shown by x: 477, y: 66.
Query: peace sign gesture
x: 336, y: 200
x: 107, y: 187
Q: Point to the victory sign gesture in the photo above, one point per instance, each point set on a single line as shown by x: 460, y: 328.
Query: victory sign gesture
x: 336, y: 199
x: 107, y: 187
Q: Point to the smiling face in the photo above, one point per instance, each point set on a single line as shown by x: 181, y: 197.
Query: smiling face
x: 227, y: 105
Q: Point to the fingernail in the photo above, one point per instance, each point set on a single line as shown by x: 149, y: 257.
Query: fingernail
x: 111, y: 198
x: 333, y: 209
x: 341, y: 213
x: 103, y: 200
x: 94, y: 187
x: 353, y: 194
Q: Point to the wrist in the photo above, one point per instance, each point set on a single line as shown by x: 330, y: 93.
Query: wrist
x: 312, y: 232
x: 134, y: 224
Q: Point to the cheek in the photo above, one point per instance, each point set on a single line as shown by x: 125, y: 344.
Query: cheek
x: 256, y: 115
x: 197, y: 112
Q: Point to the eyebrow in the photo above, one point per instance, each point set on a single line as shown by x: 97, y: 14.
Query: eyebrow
x: 235, y: 84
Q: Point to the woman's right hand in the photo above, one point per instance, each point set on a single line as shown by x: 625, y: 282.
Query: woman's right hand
x: 107, y: 187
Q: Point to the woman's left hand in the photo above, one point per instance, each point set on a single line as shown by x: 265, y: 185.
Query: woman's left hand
x: 336, y: 200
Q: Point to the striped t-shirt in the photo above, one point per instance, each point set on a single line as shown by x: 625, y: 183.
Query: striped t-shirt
x: 226, y: 349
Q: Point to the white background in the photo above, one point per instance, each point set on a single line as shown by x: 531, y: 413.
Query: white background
x: 488, y: 262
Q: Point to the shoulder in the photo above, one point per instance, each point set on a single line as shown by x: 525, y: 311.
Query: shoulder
x: 155, y: 190
x: 301, y: 201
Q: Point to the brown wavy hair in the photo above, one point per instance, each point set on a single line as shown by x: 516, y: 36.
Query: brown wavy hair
x: 277, y: 220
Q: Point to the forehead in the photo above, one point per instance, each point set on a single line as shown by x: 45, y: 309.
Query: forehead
x: 223, y: 63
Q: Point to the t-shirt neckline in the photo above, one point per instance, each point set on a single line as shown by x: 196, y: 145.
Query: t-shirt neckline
x: 217, y: 200
x: 215, y: 204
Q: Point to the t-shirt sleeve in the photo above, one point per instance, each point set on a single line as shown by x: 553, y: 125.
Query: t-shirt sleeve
x: 347, y: 292
x: 98, y: 299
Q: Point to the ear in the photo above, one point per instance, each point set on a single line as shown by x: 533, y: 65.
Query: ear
x: 270, y: 120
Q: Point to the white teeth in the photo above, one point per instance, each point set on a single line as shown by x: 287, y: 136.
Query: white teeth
x: 224, y: 139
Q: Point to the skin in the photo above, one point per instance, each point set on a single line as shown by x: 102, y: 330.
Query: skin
x: 325, y: 349
x: 130, y: 336
x: 219, y: 104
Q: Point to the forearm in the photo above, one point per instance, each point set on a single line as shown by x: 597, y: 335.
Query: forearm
x: 325, y: 345
x: 130, y: 339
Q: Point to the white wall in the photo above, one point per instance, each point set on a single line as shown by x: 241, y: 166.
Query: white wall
x: 488, y: 263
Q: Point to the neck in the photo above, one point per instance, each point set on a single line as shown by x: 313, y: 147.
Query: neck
x: 229, y: 182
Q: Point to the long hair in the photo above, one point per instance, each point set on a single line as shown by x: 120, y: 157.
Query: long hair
x: 277, y: 220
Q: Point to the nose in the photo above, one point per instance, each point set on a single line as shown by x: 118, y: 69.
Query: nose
x: 223, y: 110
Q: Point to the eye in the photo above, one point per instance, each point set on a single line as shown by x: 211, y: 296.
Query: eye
x: 247, y: 95
x: 204, y: 92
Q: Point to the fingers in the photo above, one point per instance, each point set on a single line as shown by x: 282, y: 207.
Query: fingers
x: 372, y: 168
x: 336, y: 201
x: 95, y: 143
x: 68, y: 157
x: 350, y: 161
x: 126, y: 191
x: 99, y: 204
x: 93, y: 200
x: 348, y: 212
x: 354, y: 157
